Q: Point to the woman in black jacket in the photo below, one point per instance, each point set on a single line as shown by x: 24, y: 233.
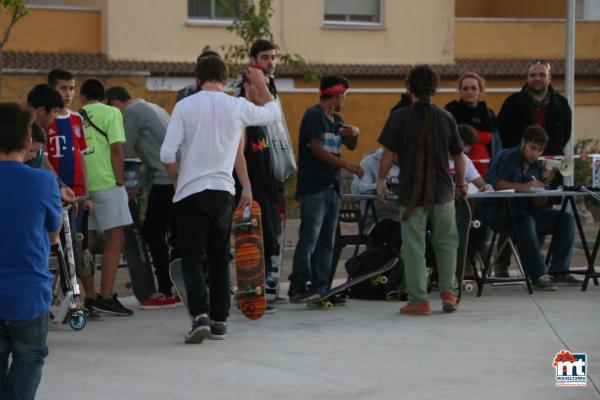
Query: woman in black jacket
x: 471, y: 110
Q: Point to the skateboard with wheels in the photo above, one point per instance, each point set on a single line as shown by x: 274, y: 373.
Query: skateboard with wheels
x: 464, y: 222
x: 249, y: 261
x: 176, y: 275
x: 377, y: 278
x: 136, y: 251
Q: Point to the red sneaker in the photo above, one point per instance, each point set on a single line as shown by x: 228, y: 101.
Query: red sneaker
x: 159, y: 301
x: 449, y: 303
x: 421, y: 308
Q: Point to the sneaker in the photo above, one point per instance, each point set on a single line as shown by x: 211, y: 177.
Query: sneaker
x: 159, y: 301
x: 545, y: 284
x: 421, y: 308
x: 88, y: 309
x: 298, y: 293
x: 218, y: 330
x: 111, y: 306
x: 88, y: 305
x: 200, y: 329
x: 449, y: 303
x: 270, y: 309
x: 337, y: 301
x: 566, y: 278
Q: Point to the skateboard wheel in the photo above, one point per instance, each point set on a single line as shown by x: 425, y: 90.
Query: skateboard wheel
x: 383, y: 280
x: 468, y: 287
x: 258, y: 290
x: 79, y: 237
x: 327, y: 305
x: 77, y: 321
x: 476, y: 224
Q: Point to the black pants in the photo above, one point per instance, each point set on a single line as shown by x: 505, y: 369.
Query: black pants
x: 159, y: 224
x: 204, y: 227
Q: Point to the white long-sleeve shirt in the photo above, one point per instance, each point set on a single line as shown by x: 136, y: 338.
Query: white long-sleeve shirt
x: 207, y: 127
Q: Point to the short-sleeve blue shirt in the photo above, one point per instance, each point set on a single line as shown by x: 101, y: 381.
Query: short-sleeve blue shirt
x: 30, y: 208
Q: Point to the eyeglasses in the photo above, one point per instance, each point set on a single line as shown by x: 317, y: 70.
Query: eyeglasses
x: 465, y: 88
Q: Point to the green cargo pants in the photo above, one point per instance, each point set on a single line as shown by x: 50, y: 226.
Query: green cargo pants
x: 445, y: 242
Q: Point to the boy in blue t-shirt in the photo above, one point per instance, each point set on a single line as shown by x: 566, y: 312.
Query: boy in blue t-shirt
x: 30, y: 221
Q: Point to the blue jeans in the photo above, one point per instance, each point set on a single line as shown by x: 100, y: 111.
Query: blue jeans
x: 26, y: 341
x: 531, y: 225
x: 319, y: 214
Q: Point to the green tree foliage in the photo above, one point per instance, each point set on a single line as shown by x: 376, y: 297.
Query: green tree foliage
x: 15, y: 9
x: 254, y: 23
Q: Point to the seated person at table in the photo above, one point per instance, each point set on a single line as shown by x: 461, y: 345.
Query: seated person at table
x: 468, y: 136
x: 387, y: 229
x: 478, y: 237
x: 518, y: 168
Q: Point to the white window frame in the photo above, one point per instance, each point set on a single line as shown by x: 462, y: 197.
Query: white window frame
x: 202, y: 20
x: 587, y: 10
x: 356, y: 24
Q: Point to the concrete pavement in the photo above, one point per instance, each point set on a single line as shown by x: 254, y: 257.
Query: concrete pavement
x: 499, y: 346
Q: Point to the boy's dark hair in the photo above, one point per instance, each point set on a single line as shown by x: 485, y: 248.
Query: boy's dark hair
x: 58, y: 75
x: 43, y: 95
x: 330, y: 81
x: 422, y: 81
x: 535, y: 134
x: 92, y: 89
x: 467, y: 134
x: 207, y: 53
x: 15, y: 127
x: 211, y: 69
x: 261, y: 45
x: 37, y: 134
x: 117, y: 93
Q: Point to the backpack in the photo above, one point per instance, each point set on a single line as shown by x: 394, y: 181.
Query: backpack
x: 368, y: 261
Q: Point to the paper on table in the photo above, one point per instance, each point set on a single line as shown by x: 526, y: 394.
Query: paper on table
x: 504, y: 191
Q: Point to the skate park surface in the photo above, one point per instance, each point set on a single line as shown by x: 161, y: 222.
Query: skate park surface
x: 498, y: 346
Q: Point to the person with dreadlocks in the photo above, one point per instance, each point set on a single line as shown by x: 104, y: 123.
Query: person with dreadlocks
x: 422, y: 136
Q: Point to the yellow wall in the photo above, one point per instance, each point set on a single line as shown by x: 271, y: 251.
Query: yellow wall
x: 511, y: 8
x: 368, y: 111
x: 528, y: 40
x: 159, y: 32
x: 55, y: 31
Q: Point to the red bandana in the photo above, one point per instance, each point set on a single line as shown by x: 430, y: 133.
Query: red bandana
x: 333, y: 90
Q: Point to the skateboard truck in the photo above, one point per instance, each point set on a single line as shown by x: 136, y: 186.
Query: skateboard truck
x: 249, y: 292
x: 247, y: 221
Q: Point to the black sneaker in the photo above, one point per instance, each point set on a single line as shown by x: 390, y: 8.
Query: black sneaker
x: 218, y: 330
x: 566, y: 278
x: 200, y: 329
x: 111, y: 306
x: 298, y: 293
x: 88, y: 309
x: 337, y: 301
x: 270, y: 309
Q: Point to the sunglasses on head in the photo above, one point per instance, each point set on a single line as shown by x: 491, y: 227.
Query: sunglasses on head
x: 538, y: 62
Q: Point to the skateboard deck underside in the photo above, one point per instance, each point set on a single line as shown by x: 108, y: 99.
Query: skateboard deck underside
x: 377, y: 276
x: 250, y: 263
